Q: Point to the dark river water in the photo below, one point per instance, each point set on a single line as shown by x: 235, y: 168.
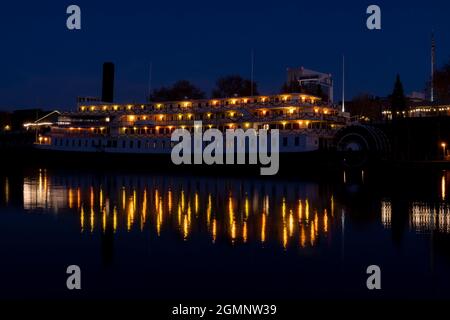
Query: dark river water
x: 191, y: 237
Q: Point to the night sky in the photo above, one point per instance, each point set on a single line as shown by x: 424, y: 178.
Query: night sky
x: 43, y: 64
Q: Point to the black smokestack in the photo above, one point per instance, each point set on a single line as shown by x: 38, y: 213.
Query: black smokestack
x: 108, y: 82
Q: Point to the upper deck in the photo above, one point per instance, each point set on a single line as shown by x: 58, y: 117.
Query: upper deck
x: 255, y: 102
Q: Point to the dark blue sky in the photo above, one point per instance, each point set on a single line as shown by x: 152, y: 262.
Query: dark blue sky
x: 43, y: 64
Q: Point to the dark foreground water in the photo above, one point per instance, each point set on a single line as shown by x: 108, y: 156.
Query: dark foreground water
x: 188, y: 237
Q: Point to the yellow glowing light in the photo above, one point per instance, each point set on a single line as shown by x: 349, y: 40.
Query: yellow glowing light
x: 443, y: 189
x: 105, y: 108
x: 78, y: 198
x: 115, y: 219
x: 116, y: 107
x: 291, y: 224
x: 82, y: 219
x: 185, y: 228
x: 302, y: 237
x: 246, y: 207
x: 316, y: 222
x: 131, y: 118
x: 169, y: 197
x: 82, y: 108
x: 285, y: 236
x: 244, y: 232
x: 325, y: 221
x: 104, y: 220
x: 291, y: 111
x: 161, y: 117
x: 307, y: 210
x: 70, y: 200
x: 233, y: 231
x: 196, y: 203
x: 299, y: 210
x: 92, y: 220
x: 208, y: 210
x: 129, y: 107
x: 263, y: 228
x: 264, y: 112
x: 93, y: 108
x: 214, y: 230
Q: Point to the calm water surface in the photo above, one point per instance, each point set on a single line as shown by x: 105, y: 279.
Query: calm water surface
x: 187, y: 237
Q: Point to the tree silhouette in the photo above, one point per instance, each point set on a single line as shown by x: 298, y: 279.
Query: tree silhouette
x: 234, y: 85
x: 398, y: 99
x: 180, y: 90
x: 442, y: 84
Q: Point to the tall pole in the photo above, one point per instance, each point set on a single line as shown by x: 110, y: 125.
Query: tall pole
x: 251, y: 76
x: 343, y: 83
x: 150, y: 81
x: 433, y: 65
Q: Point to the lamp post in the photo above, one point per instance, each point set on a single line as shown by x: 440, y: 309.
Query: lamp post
x: 444, y: 148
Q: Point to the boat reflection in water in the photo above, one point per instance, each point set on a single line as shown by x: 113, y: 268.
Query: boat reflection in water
x: 290, y: 214
x: 424, y: 217
x: 154, y: 236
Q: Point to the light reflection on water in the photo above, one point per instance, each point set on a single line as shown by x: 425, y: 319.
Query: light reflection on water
x: 299, y: 233
x: 292, y: 215
x: 240, y: 211
x: 422, y: 217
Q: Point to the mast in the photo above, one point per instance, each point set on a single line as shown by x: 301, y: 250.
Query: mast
x: 433, y: 65
x: 150, y: 81
x: 343, y: 83
x: 251, y: 76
